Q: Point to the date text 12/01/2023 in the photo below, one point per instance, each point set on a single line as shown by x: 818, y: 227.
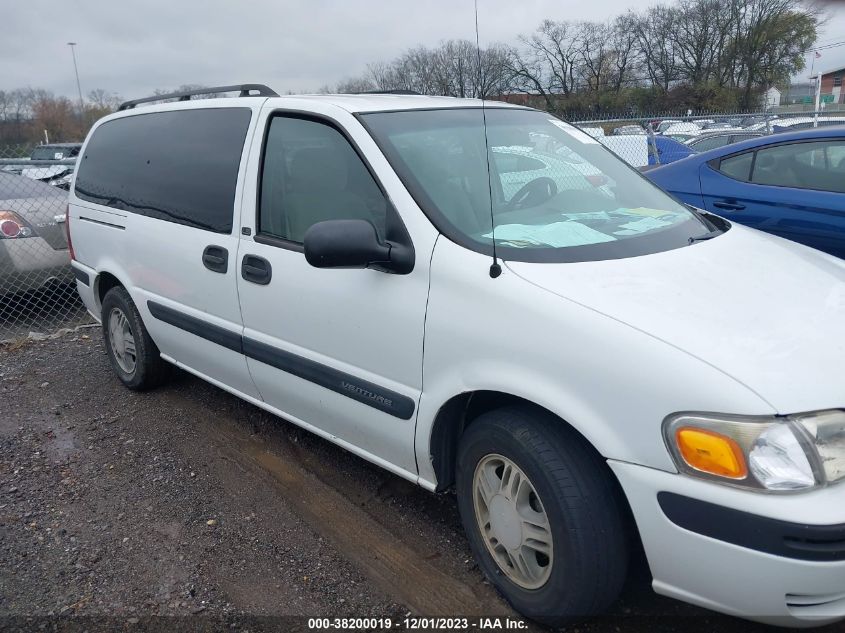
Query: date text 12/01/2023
x: 418, y: 623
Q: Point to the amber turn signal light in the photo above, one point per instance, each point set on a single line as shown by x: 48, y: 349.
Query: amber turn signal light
x: 711, y: 452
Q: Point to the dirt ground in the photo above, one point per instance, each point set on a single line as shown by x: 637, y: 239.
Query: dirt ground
x: 188, y: 509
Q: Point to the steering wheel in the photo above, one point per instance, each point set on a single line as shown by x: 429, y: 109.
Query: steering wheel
x: 533, y: 193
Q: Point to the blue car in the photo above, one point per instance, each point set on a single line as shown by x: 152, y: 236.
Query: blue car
x: 790, y: 184
x: 663, y: 150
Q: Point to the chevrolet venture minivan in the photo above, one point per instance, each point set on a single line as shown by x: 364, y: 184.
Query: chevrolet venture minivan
x: 588, y: 367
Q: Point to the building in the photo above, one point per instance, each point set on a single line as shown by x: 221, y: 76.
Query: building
x: 771, y: 98
x: 832, y: 86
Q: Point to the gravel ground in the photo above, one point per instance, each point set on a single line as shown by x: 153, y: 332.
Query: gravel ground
x: 188, y: 509
x: 40, y: 311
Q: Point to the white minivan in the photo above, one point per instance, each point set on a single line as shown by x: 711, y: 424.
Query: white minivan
x: 588, y: 368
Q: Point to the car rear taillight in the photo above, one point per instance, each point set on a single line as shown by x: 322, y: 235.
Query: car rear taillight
x: 13, y: 226
x: 67, y: 233
x: 597, y: 180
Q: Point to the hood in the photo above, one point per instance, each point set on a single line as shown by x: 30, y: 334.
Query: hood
x: 768, y: 312
x: 45, y: 173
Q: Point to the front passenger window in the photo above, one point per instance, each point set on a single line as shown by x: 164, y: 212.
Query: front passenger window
x: 311, y: 174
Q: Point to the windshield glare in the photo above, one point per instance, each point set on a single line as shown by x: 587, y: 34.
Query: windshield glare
x: 556, y: 193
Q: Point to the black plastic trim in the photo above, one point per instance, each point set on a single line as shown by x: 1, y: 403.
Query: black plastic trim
x: 101, y: 223
x: 245, y: 90
x: 199, y: 327
x: 256, y: 270
x: 216, y: 258
x: 279, y: 242
x: 362, y: 391
x: 340, y: 382
x: 81, y: 276
x: 763, y: 534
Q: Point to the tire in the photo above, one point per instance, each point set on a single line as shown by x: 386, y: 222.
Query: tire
x: 140, y: 368
x: 585, y: 543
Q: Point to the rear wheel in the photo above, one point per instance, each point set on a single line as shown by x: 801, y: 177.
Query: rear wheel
x: 542, y: 514
x: 133, y: 355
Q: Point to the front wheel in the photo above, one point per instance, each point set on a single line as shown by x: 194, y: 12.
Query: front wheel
x: 542, y: 514
x: 132, y: 353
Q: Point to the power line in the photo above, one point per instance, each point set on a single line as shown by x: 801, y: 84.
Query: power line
x: 826, y: 46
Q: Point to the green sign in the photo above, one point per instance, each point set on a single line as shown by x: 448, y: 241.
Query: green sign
x: 824, y: 99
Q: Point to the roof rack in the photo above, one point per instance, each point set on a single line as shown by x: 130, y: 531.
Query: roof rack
x: 244, y: 89
x: 388, y: 92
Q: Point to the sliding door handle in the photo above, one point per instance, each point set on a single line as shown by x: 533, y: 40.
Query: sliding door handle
x: 216, y: 259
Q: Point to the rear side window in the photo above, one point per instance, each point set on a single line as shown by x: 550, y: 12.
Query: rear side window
x: 179, y: 166
x: 737, y: 167
x: 818, y: 165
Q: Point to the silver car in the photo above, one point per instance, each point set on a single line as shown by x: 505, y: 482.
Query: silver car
x: 33, y: 245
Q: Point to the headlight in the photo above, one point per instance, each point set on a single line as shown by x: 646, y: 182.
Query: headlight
x: 778, y: 454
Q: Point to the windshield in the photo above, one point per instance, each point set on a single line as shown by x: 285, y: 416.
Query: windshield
x: 53, y: 152
x: 556, y: 193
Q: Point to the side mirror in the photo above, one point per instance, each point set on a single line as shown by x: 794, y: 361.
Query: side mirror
x: 352, y: 244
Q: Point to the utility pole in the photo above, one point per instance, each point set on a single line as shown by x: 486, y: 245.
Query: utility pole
x: 818, y: 79
x: 76, y: 71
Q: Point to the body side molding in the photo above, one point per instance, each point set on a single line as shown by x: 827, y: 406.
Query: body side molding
x: 357, y: 389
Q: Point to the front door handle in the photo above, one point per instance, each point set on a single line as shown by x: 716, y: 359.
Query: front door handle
x: 728, y: 205
x: 256, y: 270
x: 216, y: 259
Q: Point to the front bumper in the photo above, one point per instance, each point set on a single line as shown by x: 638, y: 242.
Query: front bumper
x: 779, y: 560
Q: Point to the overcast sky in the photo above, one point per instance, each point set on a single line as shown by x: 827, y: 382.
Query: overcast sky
x: 134, y: 47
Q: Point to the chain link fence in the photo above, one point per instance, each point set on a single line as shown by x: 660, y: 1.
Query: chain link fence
x: 37, y: 288
x: 648, y: 141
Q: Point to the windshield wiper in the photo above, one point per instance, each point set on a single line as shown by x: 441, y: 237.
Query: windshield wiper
x: 705, y: 236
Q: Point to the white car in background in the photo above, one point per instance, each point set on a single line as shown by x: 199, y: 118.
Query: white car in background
x: 518, y: 168
x: 666, y: 124
x: 805, y: 123
x: 690, y: 129
x: 595, y: 132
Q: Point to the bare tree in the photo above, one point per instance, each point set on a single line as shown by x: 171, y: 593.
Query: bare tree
x: 625, y: 54
x: 654, y: 29
x: 545, y: 63
x: 596, y: 55
x: 104, y: 100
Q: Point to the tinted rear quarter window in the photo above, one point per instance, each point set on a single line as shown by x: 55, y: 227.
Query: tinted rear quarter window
x: 179, y: 166
x: 737, y: 167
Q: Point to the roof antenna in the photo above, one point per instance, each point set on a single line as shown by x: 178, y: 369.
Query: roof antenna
x: 495, y: 269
